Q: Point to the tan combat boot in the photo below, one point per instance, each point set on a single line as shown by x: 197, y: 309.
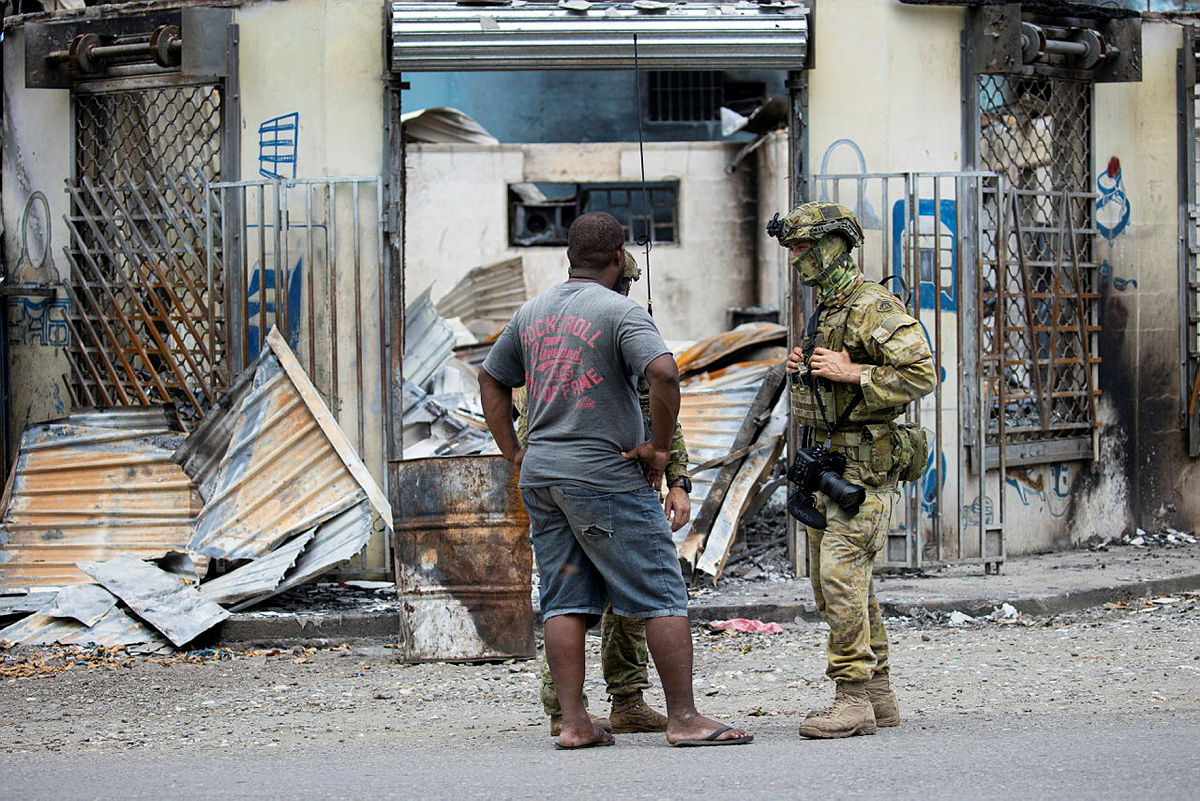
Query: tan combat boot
x: 630, y: 714
x: 883, y: 700
x: 850, y: 714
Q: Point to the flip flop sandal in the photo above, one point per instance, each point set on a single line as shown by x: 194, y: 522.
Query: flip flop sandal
x: 712, y: 739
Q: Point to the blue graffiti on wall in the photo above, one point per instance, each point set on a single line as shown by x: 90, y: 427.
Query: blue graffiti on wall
x: 277, y: 146
x: 1053, y: 493
x: 930, y: 479
x: 38, y: 321
x: 1117, y: 282
x: 1112, y: 207
x: 261, y: 299
x: 934, y: 235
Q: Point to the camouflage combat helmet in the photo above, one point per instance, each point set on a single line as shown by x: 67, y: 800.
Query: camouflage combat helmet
x: 832, y: 231
x: 814, y: 220
x: 631, y: 271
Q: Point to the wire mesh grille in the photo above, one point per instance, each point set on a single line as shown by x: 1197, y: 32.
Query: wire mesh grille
x: 1038, y: 295
x: 147, y: 291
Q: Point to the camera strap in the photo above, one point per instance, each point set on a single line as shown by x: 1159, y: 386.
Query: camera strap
x: 810, y: 335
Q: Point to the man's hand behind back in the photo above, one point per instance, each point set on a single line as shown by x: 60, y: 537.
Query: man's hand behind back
x: 654, y: 461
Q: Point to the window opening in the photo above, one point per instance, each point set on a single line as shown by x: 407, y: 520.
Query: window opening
x: 541, y: 214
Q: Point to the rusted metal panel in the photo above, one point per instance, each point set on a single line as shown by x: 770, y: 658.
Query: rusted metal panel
x: 287, y: 467
x: 463, y: 560
x: 728, y: 344
x: 80, y: 493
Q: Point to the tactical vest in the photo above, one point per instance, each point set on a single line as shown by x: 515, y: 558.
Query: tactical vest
x: 832, y: 333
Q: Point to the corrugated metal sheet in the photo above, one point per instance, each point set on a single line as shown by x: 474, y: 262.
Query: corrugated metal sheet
x: 750, y: 476
x: 428, y: 340
x: 443, y: 36
x: 200, y: 454
x: 87, y: 603
x: 160, y: 598
x: 486, y: 297
x: 303, y: 558
x: 727, y: 344
x: 432, y: 429
x: 258, y: 578
x: 336, y: 540
x: 117, y: 627
x: 288, y: 466
x: 80, y: 493
x: 710, y: 419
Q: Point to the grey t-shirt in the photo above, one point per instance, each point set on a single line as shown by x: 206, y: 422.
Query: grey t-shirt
x: 578, y: 348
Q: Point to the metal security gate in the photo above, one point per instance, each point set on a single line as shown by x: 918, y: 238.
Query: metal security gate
x: 305, y: 256
x: 147, y: 321
x: 928, y: 238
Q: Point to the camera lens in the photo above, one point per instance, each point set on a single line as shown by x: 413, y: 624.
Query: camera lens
x: 846, y: 495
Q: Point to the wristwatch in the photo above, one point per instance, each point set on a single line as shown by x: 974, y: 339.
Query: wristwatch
x: 682, y: 482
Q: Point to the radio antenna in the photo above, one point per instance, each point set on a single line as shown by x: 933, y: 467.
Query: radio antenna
x: 644, y: 239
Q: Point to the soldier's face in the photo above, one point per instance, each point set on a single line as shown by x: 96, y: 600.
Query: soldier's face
x: 805, y: 259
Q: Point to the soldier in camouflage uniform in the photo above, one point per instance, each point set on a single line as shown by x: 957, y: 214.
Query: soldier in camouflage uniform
x: 624, y: 657
x: 866, y: 347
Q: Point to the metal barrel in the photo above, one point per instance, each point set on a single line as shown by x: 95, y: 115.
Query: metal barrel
x: 463, y: 560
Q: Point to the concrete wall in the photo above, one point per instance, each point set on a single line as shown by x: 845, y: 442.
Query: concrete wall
x: 323, y: 60
x: 36, y: 158
x: 887, y: 78
x: 1138, y: 124
x: 457, y: 218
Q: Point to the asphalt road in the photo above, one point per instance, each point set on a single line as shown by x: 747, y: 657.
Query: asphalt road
x: 1096, y: 755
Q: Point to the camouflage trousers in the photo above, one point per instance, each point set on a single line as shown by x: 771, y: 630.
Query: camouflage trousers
x: 623, y: 658
x: 840, y: 561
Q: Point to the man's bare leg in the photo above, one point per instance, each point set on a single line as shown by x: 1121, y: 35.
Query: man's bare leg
x: 564, y: 652
x: 670, y: 641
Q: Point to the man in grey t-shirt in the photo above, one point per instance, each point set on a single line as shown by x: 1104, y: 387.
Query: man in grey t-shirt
x: 588, y: 479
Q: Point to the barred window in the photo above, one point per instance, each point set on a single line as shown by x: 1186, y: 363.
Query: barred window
x: 1039, y: 306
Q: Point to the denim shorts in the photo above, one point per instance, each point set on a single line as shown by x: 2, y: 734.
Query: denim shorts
x: 593, y: 547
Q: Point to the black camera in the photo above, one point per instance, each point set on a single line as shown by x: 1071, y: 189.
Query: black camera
x: 819, y: 469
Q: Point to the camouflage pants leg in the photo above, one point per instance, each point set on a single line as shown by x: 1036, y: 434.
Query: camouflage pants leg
x: 840, y: 561
x: 623, y: 653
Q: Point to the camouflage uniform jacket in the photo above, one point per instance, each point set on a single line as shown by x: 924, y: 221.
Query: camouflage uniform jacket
x: 677, y: 463
x: 897, y: 368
